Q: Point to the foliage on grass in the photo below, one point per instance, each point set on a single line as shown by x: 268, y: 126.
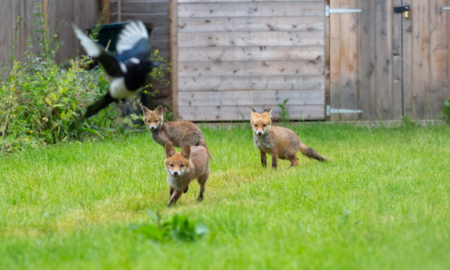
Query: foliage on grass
x: 382, y: 202
x: 284, y: 114
x: 446, y: 112
x: 179, y: 228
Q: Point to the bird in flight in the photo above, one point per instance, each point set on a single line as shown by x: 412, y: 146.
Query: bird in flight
x: 129, y: 67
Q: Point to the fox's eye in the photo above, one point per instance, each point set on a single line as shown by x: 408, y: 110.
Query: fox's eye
x: 182, y: 165
x: 256, y: 125
x: 171, y: 165
x: 156, y: 121
x: 264, y: 125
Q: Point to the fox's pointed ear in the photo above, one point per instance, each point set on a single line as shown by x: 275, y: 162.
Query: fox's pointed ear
x: 159, y: 109
x: 186, y: 152
x: 253, y: 111
x: 270, y: 113
x: 170, y: 151
x: 145, y: 110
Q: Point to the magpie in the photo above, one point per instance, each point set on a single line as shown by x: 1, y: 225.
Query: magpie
x: 129, y: 67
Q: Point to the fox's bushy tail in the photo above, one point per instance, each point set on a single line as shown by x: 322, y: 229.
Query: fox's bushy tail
x: 309, y: 152
x: 209, y: 154
x: 203, y: 143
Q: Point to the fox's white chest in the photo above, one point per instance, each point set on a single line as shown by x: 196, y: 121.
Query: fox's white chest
x: 179, y: 182
x: 263, y: 143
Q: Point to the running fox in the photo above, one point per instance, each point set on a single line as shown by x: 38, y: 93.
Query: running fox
x: 183, y: 167
x: 178, y: 134
x: 279, y: 142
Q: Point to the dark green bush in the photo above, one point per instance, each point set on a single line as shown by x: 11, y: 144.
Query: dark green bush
x: 178, y: 229
x: 446, y: 111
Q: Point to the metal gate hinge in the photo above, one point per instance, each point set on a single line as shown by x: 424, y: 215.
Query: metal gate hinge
x: 335, y: 111
x: 329, y: 10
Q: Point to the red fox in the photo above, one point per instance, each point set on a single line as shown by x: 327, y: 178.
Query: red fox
x: 278, y: 142
x: 179, y: 133
x: 183, y: 167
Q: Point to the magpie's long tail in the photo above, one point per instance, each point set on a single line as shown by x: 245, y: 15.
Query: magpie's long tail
x: 99, y: 105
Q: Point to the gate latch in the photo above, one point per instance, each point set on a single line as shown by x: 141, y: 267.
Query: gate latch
x: 403, y: 9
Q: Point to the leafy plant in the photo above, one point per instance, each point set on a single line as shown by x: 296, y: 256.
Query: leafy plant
x: 98, y: 26
x: 178, y: 229
x: 446, y: 112
x: 168, y: 111
x: 41, y: 103
x: 408, y: 122
x: 284, y: 114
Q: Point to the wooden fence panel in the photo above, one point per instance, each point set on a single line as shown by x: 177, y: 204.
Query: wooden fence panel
x: 439, y: 56
x: 425, y: 61
x: 231, y: 56
x: 61, y: 14
x: 402, y: 63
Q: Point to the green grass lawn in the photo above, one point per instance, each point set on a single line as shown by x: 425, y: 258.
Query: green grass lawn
x: 383, y: 202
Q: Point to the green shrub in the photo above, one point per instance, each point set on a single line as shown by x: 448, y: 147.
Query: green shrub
x: 284, y: 114
x: 42, y: 103
x: 446, y: 111
x: 178, y: 229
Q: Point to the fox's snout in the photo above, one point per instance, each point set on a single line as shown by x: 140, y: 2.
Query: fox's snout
x: 152, y: 127
x: 175, y: 173
x: 259, y: 133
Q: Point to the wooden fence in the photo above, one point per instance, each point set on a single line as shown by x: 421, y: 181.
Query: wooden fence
x: 61, y: 14
x: 389, y: 64
x: 230, y: 56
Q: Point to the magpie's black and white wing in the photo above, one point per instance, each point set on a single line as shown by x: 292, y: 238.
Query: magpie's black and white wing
x: 133, y: 42
x: 112, y: 66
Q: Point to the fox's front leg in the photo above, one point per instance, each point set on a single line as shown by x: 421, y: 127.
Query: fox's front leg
x: 174, y: 198
x: 263, y: 158
x: 275, y: 158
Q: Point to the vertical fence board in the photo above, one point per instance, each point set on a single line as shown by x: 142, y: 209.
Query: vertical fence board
x: 439, y: 57
x: 384, y: 59
x: 397, y: 71
x: 348, y: 70
x: 7, y: 35
x: 327, y: 62
x: 420, y: 69
x: 335, y: 66
x: 366, y: 57
x: 408, y: 96
x: 174, y: 56
x: 105, y: 5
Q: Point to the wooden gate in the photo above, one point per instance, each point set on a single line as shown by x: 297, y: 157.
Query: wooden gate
x: 388, y: 65
x: 231, y: 55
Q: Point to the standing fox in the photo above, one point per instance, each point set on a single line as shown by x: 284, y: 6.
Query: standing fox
x: 191, y: 163
x: 179, y: 133
x: 279, y: 142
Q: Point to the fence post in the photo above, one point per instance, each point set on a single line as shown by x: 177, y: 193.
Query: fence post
x: 45, y: 11
x: 119, y: 10
x: 174, y: 55
x: 105, y: 5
